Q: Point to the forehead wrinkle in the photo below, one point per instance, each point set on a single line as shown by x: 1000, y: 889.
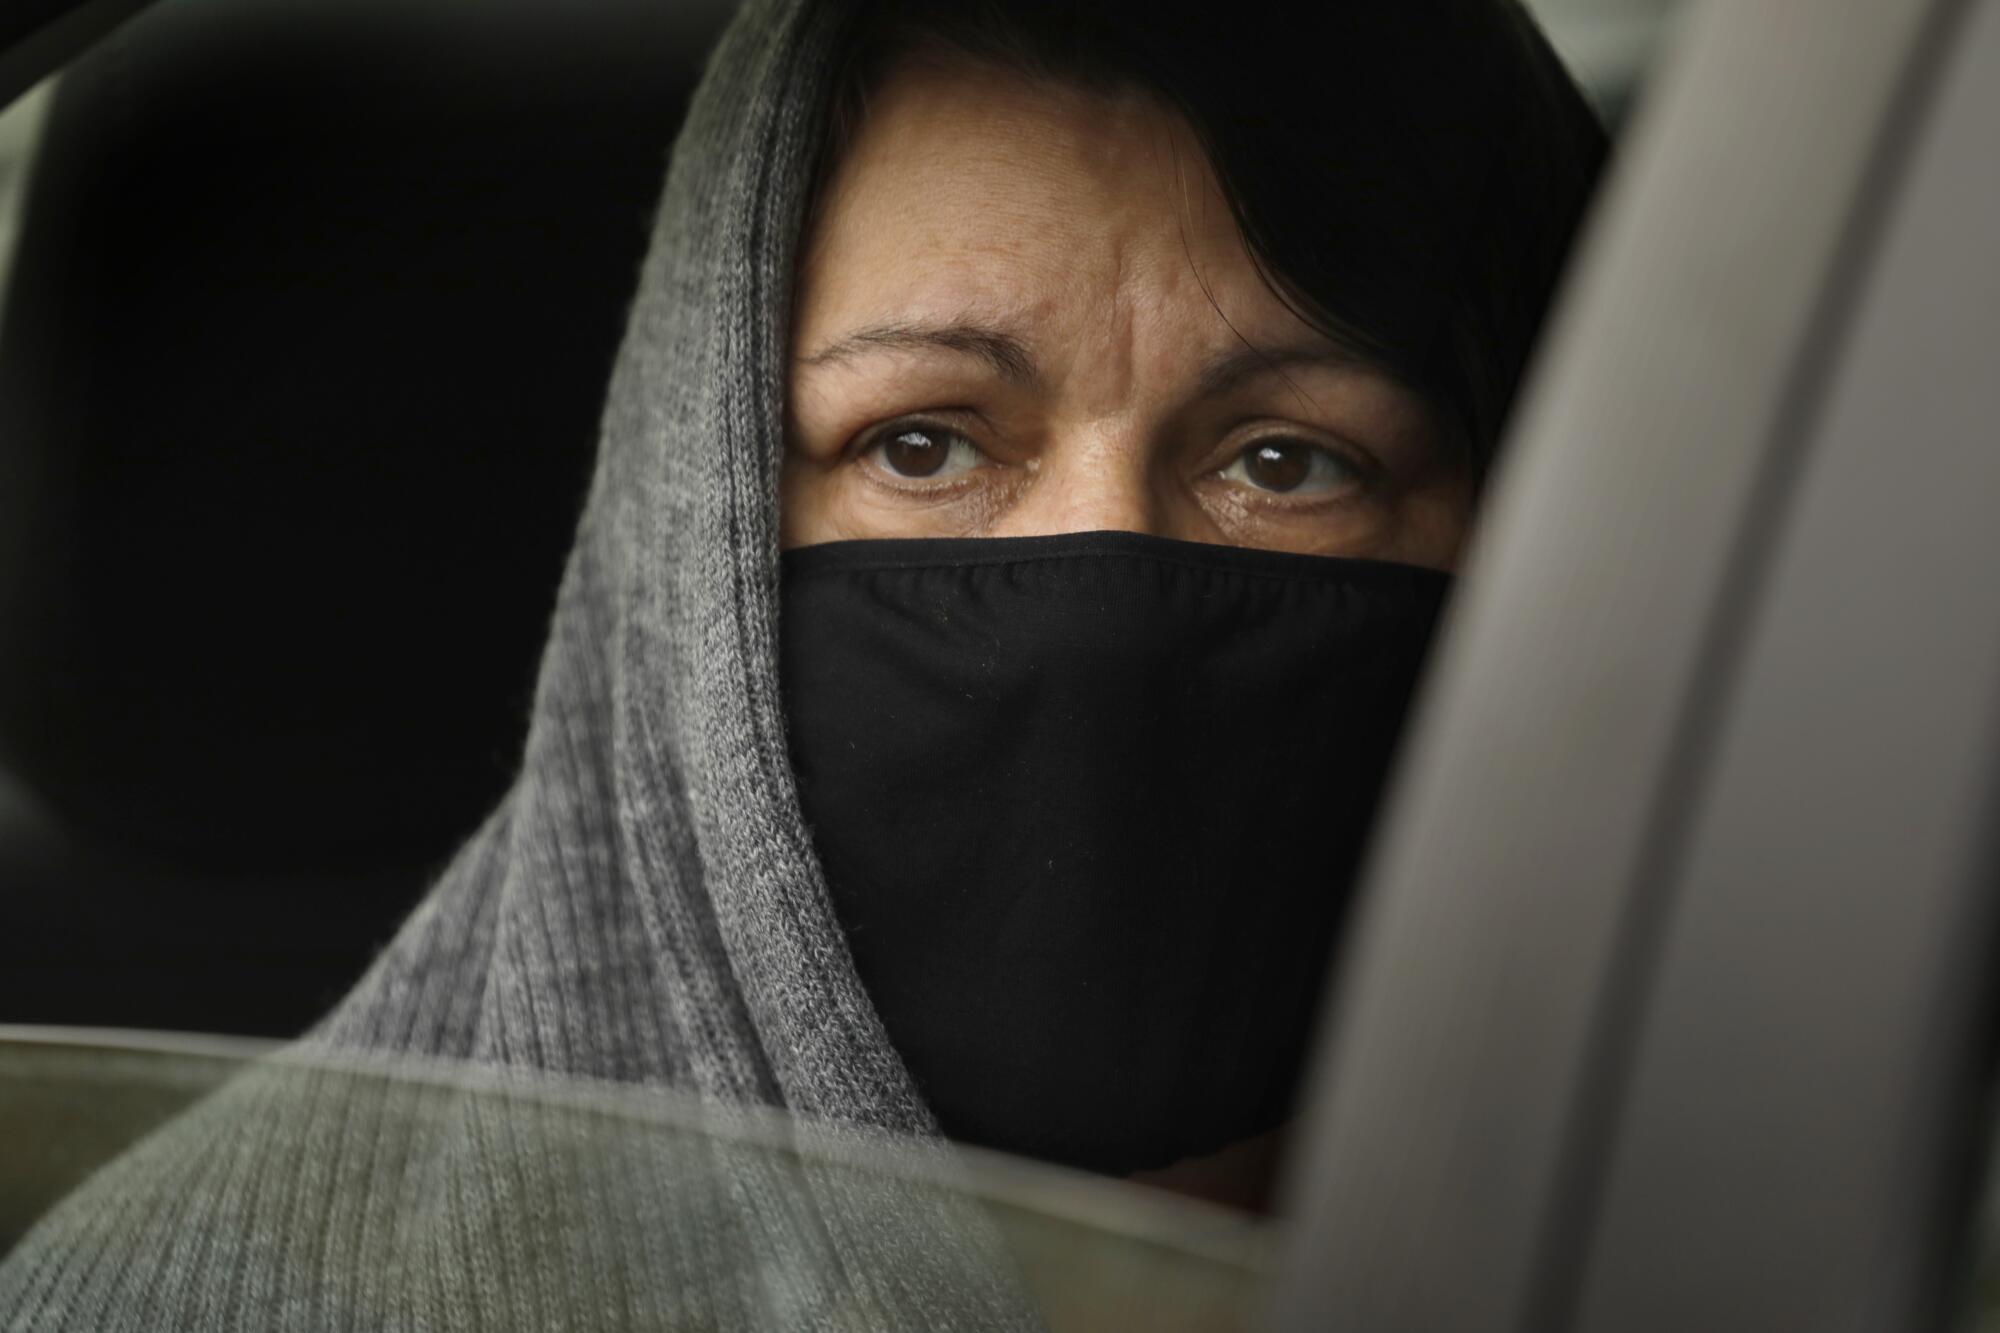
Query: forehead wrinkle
x: 1102, y: 300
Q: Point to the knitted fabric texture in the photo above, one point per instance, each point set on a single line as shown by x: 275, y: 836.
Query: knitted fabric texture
x: 643, y: 908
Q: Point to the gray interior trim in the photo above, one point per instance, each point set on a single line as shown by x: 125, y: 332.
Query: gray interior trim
x: 1508, y: 908
x: 54, y: 38
x: 1794, y: 1116
x: 20, y: 135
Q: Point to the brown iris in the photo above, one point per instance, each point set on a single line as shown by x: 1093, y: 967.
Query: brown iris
x: 915, y: 453
x: 1279, y: 465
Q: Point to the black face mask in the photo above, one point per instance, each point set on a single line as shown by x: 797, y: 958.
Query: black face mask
x: 1089, y: 807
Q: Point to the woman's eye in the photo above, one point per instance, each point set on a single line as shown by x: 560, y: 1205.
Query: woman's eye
x: 925, y: 453
x: 1292, y: 467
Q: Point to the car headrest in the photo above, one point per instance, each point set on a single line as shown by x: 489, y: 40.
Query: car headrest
x: 313, y: 312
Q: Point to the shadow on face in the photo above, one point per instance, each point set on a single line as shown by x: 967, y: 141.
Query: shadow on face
x: 1025, y: 308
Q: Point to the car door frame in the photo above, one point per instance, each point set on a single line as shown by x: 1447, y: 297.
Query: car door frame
x: 1630, y: 1032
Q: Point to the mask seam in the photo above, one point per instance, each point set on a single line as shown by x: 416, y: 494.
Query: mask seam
x: 1361, y: 570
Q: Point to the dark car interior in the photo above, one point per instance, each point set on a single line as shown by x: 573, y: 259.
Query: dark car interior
x: 312, y: 311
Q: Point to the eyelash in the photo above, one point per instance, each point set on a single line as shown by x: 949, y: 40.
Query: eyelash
x: 874, y: 441
x: 1320, y: 457
x: 1363, y: 471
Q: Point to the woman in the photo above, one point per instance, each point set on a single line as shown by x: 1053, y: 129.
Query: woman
x: 1032, y: 825
x: 1060, y: 276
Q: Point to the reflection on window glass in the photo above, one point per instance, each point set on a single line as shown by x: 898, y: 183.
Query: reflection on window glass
x: 20, y: 131
x: 1609, y: 45
x: 393, y: 1186
x: 1137, y: 895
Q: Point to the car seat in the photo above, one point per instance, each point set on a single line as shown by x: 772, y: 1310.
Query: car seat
x: 304, y: 349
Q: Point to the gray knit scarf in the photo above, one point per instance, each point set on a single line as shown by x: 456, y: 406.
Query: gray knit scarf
x: 643, y: 908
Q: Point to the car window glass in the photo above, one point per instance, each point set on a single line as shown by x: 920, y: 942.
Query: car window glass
x: 1096, y: 1255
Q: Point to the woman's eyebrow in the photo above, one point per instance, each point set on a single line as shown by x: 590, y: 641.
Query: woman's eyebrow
x: 1002, y: 351
x: 1248, y: 361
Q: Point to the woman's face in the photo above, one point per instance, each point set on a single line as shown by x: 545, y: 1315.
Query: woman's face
x: 1024, y: 308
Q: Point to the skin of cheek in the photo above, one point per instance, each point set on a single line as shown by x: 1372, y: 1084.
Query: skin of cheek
x: 807, y: 510
x: 834, y: 507
x: 1437, y: 516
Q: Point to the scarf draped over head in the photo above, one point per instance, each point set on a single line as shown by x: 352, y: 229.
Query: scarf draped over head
x: 645, y: 905
x: 643, y: 908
